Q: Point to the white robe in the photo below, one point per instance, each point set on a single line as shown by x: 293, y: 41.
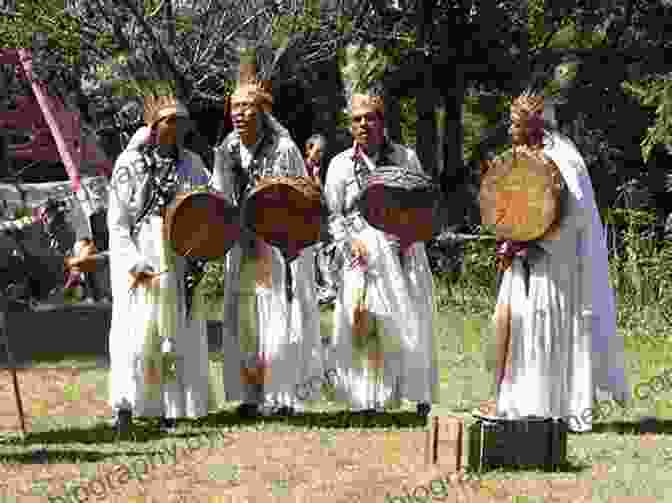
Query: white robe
x: 563, y: 334
x: 289, y: 336
x: 132, y: 312
x: 400, y: 298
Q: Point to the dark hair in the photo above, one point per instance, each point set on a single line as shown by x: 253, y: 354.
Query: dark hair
x: 317, y: 138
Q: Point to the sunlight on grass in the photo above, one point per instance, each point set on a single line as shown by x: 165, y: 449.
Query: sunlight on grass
x: 635, y: 467
x: 81, y: 362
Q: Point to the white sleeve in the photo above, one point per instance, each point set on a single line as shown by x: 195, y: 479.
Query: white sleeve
x: 334, y: 191
x: 585, y: 252
x: 289, y: 161
x: 414, y: 164
x: 123, y: 187
x: 199, y: 173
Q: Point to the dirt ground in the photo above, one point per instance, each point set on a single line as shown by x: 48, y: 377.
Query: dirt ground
x: 334, y: 466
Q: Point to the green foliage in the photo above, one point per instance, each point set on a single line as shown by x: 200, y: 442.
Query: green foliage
x: 641, y: 280
x: 22, y: 213
x: 639, y: 275
x: 640, y: 272
x: 184, y: 23
x: 409, y: 120
x: 286, y: 26
x: 365, y: 64
x: 134, y: 88
x: 536, y: 22
x: 479, y: 263
x: 472, y: 292
x: 62, y: 30
x: 344, y: 25
x: 474, y: 122
x: 152, y: 7
x: 211, y: 285
x: 654, y: 93
x: 342, y: 120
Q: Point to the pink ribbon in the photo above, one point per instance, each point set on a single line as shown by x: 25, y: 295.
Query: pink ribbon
x: 357, y: 154
x: 511, y: 249
x: 263, y: 360
x: 73, y: 279
x: 535, y: 128
x: 40, y: 215
x: 313, y: 168
x: 360, y: 263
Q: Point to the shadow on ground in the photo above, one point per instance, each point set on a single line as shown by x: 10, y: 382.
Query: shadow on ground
x: 641, y: 427
x: 52, y: 456
x: 148, y: 430
x: 337, y: 419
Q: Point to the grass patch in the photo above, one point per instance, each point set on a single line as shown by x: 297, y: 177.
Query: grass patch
x: 616, y: 460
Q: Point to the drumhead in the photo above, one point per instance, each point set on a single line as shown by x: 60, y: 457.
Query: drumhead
x: 202, y: 224
x: 522, y: 196
x: 286, y: 212
x: 400, y: 202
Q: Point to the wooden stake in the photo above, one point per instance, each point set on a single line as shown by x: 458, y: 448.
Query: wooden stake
x: 458, y: 453
x: 452, y: 440
x: 4, y: 338
x: 428, y: 445
x: 435, y: 446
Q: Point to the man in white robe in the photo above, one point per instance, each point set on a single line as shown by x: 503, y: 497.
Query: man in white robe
x: 276, y: 347
x: 158, y: 354
x: 563, y: 344
x: 397, y: 359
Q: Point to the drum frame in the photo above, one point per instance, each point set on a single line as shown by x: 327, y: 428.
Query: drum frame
x: 491, y: 186
x: 228, y: 226
x: 263, y: 220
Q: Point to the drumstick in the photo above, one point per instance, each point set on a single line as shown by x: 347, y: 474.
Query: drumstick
x: 157, y: 275
x: 4, y: 341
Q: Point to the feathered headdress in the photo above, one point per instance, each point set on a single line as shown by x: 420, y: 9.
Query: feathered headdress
x: 249, y: 86
x: 527, y: 105
x: 371, y: 98
x: 527, y: 111
x: 160, y: 107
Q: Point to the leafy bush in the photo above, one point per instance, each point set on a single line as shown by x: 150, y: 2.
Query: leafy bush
x: 473, y: 289
x: 639, y: 271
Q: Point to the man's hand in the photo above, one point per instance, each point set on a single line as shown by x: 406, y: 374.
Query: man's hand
x: 87, y: 250
x: 359, y: 249
x: 359, y: 255
x: 146, y: 279
x: 72, y: 263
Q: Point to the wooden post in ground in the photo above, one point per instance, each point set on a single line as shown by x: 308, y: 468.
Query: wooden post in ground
x: 444, y: 442
x: 4, y: 341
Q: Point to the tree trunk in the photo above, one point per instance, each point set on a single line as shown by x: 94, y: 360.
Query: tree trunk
x: 425, y: 95
x: 426, y: 127
x: 454, y: 92
x: 454, y: 180
x: 326, y: 92
x: 393, y: 117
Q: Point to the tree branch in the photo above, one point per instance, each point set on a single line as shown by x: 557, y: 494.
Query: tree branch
x: 162, y: 53
x: 617, y: 34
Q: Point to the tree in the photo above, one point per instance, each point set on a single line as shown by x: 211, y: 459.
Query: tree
x: 105, y: 52
x: 655, y: 93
